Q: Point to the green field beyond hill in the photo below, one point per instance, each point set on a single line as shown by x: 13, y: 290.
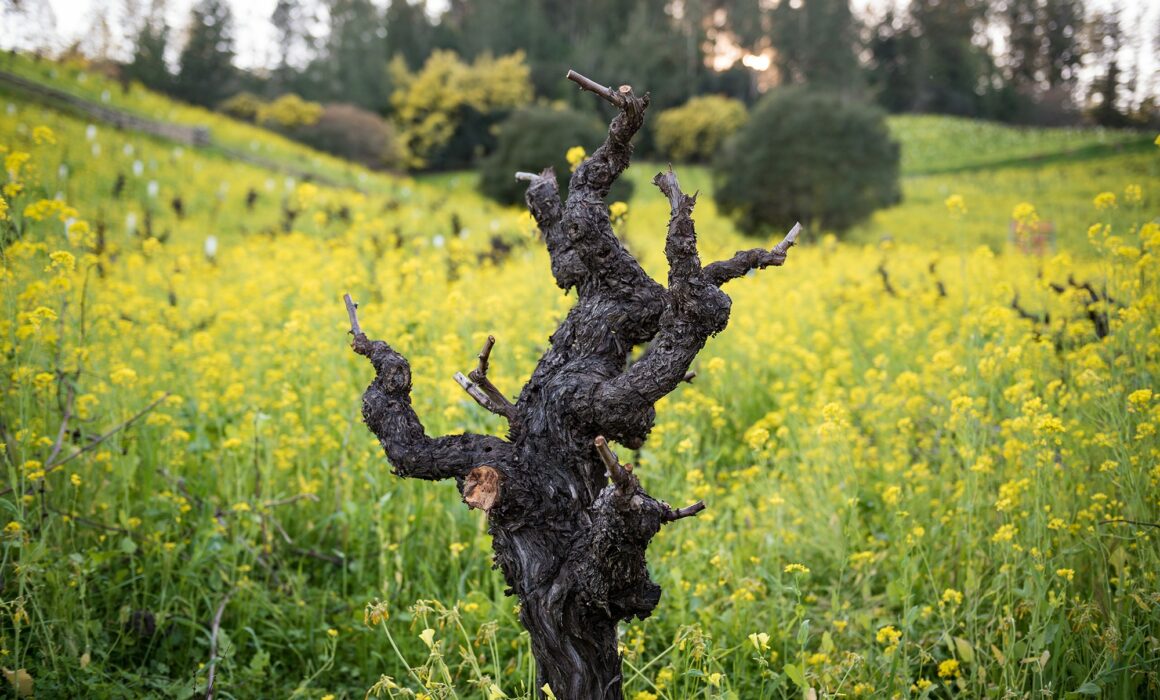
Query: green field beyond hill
x: 929, y: 450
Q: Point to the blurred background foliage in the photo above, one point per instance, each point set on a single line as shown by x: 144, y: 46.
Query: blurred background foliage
x: 446, y: 73
x: 418, y: 85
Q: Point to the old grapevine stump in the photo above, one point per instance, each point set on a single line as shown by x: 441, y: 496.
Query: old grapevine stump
x: 569, y: 523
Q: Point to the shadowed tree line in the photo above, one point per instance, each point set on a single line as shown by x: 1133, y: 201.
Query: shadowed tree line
x: 1016, y: 60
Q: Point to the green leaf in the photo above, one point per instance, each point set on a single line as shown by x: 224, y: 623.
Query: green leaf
x: 803, y: 633
x: 795, y: 674
x: 1089, y: 688
x: 964, y: 650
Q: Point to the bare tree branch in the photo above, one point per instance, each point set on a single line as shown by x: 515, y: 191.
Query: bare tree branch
x: 352, y: 313
x: 885, y: 275
x: 744, y: 261
x: 1125, y: 521
x: 672, y: 514
x: 479, y: 376
x: 480, y: 388
x: 695, y: 310
x: 543, y: 198
x: 388, y: 413
x: 593, y: 178
x: 614, y: 98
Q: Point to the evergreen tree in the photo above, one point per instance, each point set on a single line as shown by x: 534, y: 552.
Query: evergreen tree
x: 893, y: 56
x: 1043, y: 49
x: 952, y: 70
x: 353, y: 66
x: 1024, y: 43
x: 409, y: 32
x: 207, y: 72
x: 148, y: 64
x: 816, y: 43
x: 1063, y: 25
x: 294, y: 43
x: 1105, y: 39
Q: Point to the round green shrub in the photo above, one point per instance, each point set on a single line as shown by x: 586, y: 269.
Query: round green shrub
x: 353, y: 133
x: 535, y: 138
x: 816, y: 157
x: 244, y: 106
x: 693, y: 132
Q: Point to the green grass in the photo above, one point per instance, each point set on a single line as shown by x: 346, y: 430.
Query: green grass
x: 226, y: 133
x: 938, y: 144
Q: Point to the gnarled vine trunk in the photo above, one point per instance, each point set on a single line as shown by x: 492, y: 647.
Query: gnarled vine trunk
x: 569, y: 524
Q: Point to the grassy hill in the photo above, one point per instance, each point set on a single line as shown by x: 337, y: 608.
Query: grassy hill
x: 229, y: 134
x: 914, y: 488
x: 940, y: 144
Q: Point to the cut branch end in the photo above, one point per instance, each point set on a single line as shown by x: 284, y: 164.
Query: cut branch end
x: 620, y: 474
x: 360, y: 344
x: 480, y: 388
x: 789, y: 240
x: 481, y: 488
x: 352, y: 313
x: 615, y: 98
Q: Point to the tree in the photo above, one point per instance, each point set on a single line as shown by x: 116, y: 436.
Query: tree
x: 1106, y: 39
x: 812, y: 156
x: 288, y: 112
x: 893, y: 58
x: 206, y: 73
x: 1025, y: 41
x: 409, y: 32
x: 431, y: 105
x: 816, y: 43
x: 1040, y: 62
x: 1043, y: 43
x: 353, y: 67
x: 294, y: 42
x: 1063, y: 24
x: 148, y: 64
x: 569, y: 522
x: 950, y: 66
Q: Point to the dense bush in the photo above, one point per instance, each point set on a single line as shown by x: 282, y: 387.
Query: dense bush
x: 353, y: 133
x: 814, y: 157
x: 244, y: 106
x: 695, y: 131
x: 289, y: 112
x: 431, y: 106
x: 533, y: 139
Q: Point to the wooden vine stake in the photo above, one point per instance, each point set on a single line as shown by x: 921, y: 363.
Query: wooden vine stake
x: 569, y: 522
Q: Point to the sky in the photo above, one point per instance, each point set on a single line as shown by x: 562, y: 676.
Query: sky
x: 56, y: 24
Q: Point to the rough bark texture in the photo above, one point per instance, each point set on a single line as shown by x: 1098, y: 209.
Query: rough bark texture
x: 569, y: 523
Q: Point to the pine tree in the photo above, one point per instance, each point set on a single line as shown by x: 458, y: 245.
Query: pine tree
x: 207, y: 72
x: 148, y: 65
x: 816, y: 43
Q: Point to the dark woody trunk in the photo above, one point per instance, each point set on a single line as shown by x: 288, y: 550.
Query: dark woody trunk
x: 569, y: 523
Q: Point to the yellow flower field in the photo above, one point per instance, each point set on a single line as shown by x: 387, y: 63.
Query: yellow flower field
x: 931, y: 462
